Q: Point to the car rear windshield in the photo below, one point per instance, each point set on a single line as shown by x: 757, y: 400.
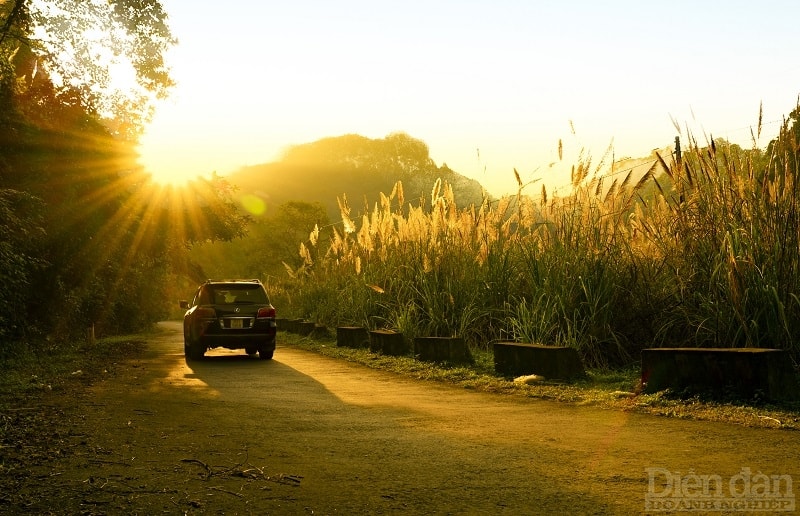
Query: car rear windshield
x: 238, y: 294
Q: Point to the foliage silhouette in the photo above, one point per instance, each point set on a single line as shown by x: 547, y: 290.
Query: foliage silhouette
x: 88, y: 240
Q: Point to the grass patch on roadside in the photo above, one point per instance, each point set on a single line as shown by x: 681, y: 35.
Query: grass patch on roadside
x: 42, y: 367
x: 616, y: 390
x: 41, y: 388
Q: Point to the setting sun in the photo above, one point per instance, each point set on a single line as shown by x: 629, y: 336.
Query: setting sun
x: 171, y: 160
x: 183, y: 142
x: 164, y: 165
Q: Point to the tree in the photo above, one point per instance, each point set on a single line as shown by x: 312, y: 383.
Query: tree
x: 20, y: 236
x: 67, y: 133
x: 286, y: 230
x: 398, y: 156
x: 272, y: 241
x: 106, y: 55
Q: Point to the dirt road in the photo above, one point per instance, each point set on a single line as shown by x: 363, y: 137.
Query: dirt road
x: 305, y: 434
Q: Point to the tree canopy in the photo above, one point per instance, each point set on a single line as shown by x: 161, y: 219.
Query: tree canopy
x: 273, y: 241
x: 87, y: 238
x: 106, y: 56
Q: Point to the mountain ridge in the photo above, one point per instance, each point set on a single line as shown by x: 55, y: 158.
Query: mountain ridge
x: 354, y: 166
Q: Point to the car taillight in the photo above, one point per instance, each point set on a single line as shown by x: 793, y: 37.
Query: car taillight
x: 266, y: 312
x: 209, y: 313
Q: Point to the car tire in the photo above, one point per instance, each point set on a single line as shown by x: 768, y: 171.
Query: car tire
x: 265, y: 352
x: 193, y: 349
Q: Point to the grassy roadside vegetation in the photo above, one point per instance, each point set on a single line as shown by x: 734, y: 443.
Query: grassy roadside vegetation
x: 41, y: 393
x: 697, y: 248
x: 32, y: 371
x: 613, y: 390
x: 693, y: 248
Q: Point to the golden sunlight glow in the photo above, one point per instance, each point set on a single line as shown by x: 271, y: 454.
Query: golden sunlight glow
x: 174, y: 154
x: 152, y: 220
x: 183, y: 376
x: 164, y: 163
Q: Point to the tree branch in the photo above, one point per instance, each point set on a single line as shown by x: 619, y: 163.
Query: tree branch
x: 15, y: 12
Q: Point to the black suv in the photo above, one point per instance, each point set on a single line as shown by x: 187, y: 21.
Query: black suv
x: 234, y: 314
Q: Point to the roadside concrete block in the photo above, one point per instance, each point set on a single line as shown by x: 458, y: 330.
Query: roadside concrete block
x: 519, y: 359
x: 719, y: 372
x: 388, y: 342
x: 352, y: 337
x: 442, y: 349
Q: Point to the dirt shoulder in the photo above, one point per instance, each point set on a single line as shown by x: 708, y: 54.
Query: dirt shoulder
x: 309, y: 434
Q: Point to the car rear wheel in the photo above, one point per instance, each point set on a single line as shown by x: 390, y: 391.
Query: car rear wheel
x: 265, y: 352
x: 193, y: 349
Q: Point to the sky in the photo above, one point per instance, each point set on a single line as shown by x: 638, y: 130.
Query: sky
x: 489, y: 85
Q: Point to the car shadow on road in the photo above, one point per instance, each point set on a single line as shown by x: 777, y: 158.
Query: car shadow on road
x: 229, y: 374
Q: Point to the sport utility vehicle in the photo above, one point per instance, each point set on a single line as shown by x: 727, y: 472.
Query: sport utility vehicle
x: 234, y: 314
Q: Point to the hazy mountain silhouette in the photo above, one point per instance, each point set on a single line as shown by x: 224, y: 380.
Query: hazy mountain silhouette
x: 358, y: 167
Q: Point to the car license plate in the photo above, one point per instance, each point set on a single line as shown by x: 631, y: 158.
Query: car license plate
x: 236, y: 323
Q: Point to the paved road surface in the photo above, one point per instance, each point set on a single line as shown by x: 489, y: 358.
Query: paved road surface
x: 328, y: 437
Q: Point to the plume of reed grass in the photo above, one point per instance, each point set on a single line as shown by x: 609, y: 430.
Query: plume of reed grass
x: 737, y: 217
x: 697, y: 251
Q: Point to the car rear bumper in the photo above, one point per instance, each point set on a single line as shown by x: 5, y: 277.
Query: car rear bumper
x: 239, y: 340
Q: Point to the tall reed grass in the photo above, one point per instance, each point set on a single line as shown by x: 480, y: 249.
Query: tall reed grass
x: 697, y: 251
